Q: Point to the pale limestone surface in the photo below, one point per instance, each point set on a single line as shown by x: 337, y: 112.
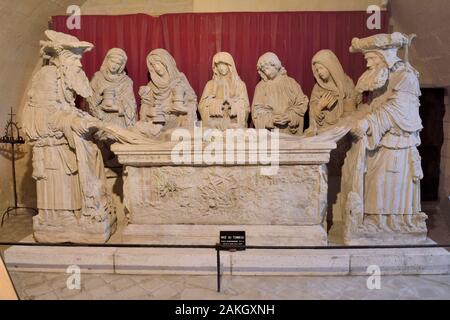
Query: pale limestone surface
x: 52, y: 286
x: 264, y: 235
x: 195, y: 261
x: 41, y: 286
x: 168, y: 100
x: 224, y: 103
x: 334, y: 95
x: 112, y: 98
x: 58, y: 259
x: 226, y: 195
x: 158, y: 191
x: 279, y: 101
x: 379, y: 201
x: 73, y: 202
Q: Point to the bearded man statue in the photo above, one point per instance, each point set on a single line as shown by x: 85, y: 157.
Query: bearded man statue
x: 380, y: 191
x: 72, y: 199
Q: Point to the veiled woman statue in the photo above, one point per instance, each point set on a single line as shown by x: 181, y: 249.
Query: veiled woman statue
x: 279, y: 101
x: 113, y: 99
x: 334, y: 94
x: 224, y: 103
x: 168, y: 100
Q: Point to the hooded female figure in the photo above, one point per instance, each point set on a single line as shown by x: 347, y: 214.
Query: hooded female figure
x: 279, y: 101
x: 113, y: 98
x: 334, y: 94
x: 224, y: 103
x: 168, y: 101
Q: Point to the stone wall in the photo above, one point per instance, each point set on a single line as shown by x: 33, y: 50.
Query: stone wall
x: 444, y: 187
x: 430, y: 55
x: 158, y: 7
x: 152, y: 7
x: 431, y: 50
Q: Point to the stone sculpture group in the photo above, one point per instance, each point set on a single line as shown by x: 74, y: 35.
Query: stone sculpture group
x: 379, y: 199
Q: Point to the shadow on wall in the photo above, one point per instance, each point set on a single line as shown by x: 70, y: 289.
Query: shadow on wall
x: 6, y: 153
x: 432, y: 112
x: 26, y: 187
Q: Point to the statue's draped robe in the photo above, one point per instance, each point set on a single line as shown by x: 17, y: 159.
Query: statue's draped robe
x: 215, y: 93
x: 279, y: 96
x: 163, y: 94
x: 225, y: 88
x: 68, y: 169
x: 388, y: 155
x: 125, y: 101
x: 339, y: 86
x: 393, y: 160
x: 160, y: 98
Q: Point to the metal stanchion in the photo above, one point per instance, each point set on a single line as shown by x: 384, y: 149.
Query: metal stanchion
x: 218, y: 266
x: 12, y: 137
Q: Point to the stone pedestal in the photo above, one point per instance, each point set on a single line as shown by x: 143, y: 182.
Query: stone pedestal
x: 379, y: 238
x: 192, y: 203
x: 82, y: 230
x: 258, y: 235
x: 319, y: 262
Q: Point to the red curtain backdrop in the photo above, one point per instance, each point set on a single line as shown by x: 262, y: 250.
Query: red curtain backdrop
x: 194, y: 38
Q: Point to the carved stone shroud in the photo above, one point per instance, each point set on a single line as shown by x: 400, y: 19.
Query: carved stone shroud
x: 288, y: 208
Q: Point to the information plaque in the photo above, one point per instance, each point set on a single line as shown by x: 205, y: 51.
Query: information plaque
x: 233, y: 239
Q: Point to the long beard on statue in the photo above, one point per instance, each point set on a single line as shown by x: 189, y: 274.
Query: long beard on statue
x: 373, y: 79
x: 76, y: 79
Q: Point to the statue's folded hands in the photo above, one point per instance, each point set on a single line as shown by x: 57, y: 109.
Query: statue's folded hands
x: 216, y: 108
x: 224, y: 103
x: 178, y: 108
x: 279, y: 101
x: 294, y: 119
x: 281, y: 119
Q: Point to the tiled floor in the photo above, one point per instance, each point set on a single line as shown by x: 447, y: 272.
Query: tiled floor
x: 17, y: 227
x: 54, y: 286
